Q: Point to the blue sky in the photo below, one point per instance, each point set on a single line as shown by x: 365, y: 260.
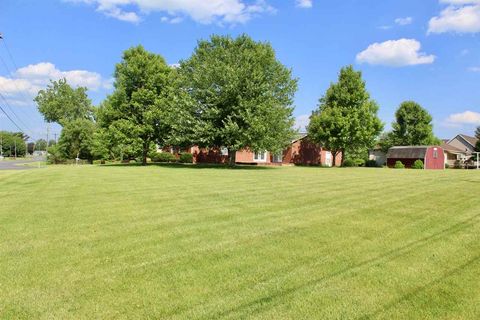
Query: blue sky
x: 427, y: 51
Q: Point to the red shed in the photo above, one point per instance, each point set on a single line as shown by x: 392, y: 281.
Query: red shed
x: 433, y: 157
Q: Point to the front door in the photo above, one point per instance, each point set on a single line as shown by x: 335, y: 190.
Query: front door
x: 328, y: 159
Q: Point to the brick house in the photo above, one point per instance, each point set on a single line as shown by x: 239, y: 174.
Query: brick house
x: 300, y: 152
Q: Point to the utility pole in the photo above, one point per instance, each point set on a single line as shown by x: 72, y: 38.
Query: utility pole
x: 15, y: 144
x: 48, y: 131
x: 55, y: 135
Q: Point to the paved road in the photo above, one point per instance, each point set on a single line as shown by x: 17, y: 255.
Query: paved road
x: 18, y: 164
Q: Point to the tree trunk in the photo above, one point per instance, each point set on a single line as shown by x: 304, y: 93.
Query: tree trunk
x: 232, y: 157
x: 145, y: 153
x: 343, y: 156
x: 334, y: 160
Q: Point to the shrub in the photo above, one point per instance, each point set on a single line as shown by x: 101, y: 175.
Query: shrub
x: 163, y: 157
x: 186, y: 158
x: 447, y: 166
x: 418, y: 164
x: 371, y: 164
x: 399, y: 165
x: 349, y: 163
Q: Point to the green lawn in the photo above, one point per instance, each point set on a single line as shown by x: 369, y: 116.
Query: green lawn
x: 172, y: 242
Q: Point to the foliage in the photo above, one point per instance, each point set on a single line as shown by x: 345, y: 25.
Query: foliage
x: 72, y: 109
x: 346, y: 118
x: 41, y: 145
x: 399, y: 165
x: 418, y: 164
x: 76, y: 139
x: 412, y: 127
x: 186, y: 158
x: 242, y: 95
x: 142, y: 109
x: 55, y: 155
x: 61, y: 103
x: 371, y: 164
x: 163, y: 157
x: 447, y: 166
x: 11, y: 141
x: 349, y: 163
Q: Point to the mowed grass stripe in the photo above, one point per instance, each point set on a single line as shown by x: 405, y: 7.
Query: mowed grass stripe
x: 157, y: 242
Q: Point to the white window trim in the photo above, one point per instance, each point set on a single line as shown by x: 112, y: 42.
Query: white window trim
x: 260, y: 160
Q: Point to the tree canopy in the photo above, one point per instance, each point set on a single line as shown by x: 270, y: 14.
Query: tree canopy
x: 11, y: 142
x: 346, y: 118
x: 61, y: 103
x: 412, y: 127
x: 242, y: 95
x: 139, y: 112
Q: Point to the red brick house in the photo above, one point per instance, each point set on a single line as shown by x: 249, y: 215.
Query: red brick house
x: 433, y: 157
x: 300, y: 152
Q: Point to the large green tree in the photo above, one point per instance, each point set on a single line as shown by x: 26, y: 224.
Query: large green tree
x: 412, y: 127
x: 346, y: 118
x: 76, y: 139
x: 12, y: 143
x: 61, y: 103
x: 242, y: 95
x: 73, y: 110
x: 41, y: 145
x: 139, y: 112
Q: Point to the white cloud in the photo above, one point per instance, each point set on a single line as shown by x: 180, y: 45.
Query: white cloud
x: 404, y: 21
x: 467, y: 117
x: 201, y: 11
x: 24, y: 83
x: 304, y: 3
x: 474, y: 69
x: 460, y: 16
x: 301, y: 122
x: 395, y: 53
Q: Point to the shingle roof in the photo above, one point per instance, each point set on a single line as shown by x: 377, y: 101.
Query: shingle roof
x: 407, y: 152
x: 469, y: 139
x: 450, y: 148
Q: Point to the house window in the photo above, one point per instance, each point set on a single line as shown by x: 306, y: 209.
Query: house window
x: 435, y: 153
x: 260, y: 156
x: 278, y: 157
x: 224, y: 151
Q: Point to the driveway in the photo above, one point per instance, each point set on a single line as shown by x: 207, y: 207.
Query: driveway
x: 18, y: 164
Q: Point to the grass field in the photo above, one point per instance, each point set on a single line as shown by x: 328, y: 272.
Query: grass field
x: 269, y: 243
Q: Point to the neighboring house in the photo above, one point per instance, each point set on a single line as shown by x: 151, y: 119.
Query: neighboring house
x: 433, y: 157
x: 304, y: 152
x: 453, y: 155
x: 378, y: 156
x: 464, y: 143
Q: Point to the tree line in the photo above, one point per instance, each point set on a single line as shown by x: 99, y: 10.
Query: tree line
x: 231, y: 93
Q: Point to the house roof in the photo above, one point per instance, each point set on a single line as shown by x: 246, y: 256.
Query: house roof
x: 299, y: 136
x: 407, y: 152
x: 470, y: 140
x: 451, y: 149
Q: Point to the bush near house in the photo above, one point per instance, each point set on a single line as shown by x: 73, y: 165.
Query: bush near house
x: 163, y: 157
x: 349, y: 163
x: 186, y: 158
x: 418, y: 164
x: 399, y: 165
x: 371, y: 164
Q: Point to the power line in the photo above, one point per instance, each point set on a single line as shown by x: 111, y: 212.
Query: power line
x: 16, y: 125
x: 13, y: 112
